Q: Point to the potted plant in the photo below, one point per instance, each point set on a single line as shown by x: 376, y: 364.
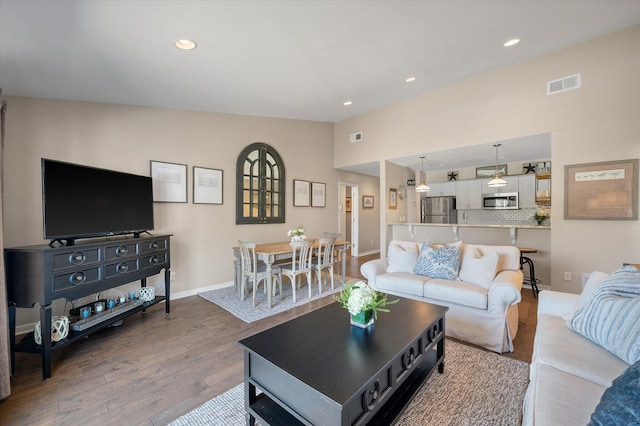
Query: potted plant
x: 539, y: 217
x: 363, y: 303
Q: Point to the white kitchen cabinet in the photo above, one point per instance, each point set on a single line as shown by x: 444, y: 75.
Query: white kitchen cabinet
x: 527, y: 191
x: 442, y: 189
x: 469, y: 194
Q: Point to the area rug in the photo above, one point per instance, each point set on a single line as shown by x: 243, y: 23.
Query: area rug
x: 228, y: 299
x: 476, y: 388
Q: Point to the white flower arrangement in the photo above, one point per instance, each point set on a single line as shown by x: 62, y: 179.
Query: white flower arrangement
x: 296, y: 234
x: 358, y: 297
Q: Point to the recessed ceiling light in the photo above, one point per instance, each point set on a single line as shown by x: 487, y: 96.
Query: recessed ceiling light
x: 347, y: 103
x: 512, y: 42
x: 410, y: 79
x: 185, y: 44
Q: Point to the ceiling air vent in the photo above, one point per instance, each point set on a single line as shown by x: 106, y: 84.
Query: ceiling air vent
x: 563, y: 84
x: 355, y: 137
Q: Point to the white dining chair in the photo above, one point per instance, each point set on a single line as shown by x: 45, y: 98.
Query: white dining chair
x: 323, y: 261
x: 251, y: 271
x: 300, y: 265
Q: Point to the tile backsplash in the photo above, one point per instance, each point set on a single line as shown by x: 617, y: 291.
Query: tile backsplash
x: 498, y: 217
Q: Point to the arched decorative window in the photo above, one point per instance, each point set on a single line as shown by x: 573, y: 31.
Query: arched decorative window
x: 260, y: 185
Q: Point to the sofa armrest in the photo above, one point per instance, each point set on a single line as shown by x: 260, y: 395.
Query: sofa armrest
x: 556, y: 303
x: 373, y: 268
x: 505, y: 291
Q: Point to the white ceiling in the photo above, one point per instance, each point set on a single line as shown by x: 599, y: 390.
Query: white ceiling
x: 289, y: 59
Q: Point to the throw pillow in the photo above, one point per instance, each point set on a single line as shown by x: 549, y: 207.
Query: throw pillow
x: 402, y: 256
x: 620, y: 404
x: 593, y: 282
x: 610, y: 316
x: 442, y: 262
x: 479, y: 270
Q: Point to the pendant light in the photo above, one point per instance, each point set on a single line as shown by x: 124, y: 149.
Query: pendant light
x: 423, y: 184
x: 497, y: 180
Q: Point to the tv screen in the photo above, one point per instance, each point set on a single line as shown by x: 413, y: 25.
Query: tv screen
x: 80, y: 201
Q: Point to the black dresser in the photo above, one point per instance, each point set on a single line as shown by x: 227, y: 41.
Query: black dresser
x: 42, y: 273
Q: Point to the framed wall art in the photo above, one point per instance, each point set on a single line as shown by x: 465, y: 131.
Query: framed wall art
x: 488, y: 171
x: 301, y: 193
x: 393, y: 198
x: 318, y: 194
x: 605, y: 190
x: 169, y: 182
x: 347, y: 204
x: 367, y: 201
x: 207, y: 186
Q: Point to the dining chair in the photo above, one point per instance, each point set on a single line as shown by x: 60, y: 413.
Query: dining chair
x: 337, y: 252
x: 251, y: 270
x: 324, y: 260
x: 300, y: 265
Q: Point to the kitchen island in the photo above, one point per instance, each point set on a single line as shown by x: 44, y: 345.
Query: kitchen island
x: 519, y: 234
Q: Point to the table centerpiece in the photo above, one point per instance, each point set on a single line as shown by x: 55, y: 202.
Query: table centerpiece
x: 363, y: 303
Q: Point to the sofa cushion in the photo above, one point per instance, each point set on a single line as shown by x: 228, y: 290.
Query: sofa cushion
x: 620, y: 404
x: 401, y: 282
x: 610, y: 317
x: 457, y: 292
x: 566, y: 350
x: 479, y: 269
x: 402, y: 256
x: 442, y: 262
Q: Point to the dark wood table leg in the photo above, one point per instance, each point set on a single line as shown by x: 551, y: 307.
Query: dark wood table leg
x: 167, y: 290
x: 45, y: 333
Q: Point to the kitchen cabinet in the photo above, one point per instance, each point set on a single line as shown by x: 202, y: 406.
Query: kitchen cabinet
x: 469, y: 194
x: 527, y: 191
x: 442, y: 189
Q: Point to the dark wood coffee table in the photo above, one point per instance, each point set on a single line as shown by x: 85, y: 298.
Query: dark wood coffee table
x: 320, y: 370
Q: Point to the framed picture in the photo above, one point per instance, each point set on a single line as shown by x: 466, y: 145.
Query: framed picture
x: 393, y: 198
x: 169, y: 182
x: 367, y: 201
x: 488, y: 171
x: 347, y: 204
x: 301, y: 196
x: 318, y: 194
x: 605, y: 190
x: 207, y: 186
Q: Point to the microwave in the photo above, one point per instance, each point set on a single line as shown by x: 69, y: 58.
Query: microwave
x: 500, y: 201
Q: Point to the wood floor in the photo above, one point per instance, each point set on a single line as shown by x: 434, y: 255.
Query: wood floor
x: 156, y: 367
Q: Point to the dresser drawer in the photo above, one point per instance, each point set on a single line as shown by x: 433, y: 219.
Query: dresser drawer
x: 150, y: 246
x: 121, y: 251
x: 156, y: 259
x: 121, y: 268
x: 74, y: 279
x: 76, y: 258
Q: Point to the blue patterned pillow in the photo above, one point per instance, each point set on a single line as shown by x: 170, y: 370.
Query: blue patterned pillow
x: 610, y: 317
x: 442, y: 262
x: 620, y: 404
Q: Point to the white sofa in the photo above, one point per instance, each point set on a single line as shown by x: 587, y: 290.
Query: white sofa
x: 483, y: 307
x: 568, y: 373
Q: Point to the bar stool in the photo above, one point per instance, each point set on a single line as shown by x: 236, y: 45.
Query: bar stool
x: 532, y: 273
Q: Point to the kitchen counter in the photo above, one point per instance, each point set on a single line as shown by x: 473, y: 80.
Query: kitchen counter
x: 513, y: 227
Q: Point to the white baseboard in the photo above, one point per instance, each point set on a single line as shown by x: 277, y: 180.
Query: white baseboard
x: 367, y: 253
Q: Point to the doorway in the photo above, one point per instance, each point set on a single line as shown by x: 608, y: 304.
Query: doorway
x: 348, y: 217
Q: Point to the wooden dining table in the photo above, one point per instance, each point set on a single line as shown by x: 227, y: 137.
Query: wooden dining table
x: 273, y: 253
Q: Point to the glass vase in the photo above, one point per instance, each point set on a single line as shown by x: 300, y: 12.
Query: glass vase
x: 363, y: 319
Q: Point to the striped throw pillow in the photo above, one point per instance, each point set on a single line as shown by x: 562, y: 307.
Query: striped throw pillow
x: 610, y: 318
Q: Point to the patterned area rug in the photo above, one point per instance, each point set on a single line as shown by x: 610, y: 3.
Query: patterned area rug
x: 228, y: 299
x: 476, y: 388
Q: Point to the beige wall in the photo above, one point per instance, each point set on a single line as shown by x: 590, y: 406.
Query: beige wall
x: 126, y: 138
x: 598, y: 122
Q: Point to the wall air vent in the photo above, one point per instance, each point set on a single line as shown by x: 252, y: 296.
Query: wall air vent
x: 563, y: 84
x: 355, y: 137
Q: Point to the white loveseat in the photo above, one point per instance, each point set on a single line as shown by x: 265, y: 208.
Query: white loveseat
x: 568, y: 373
x: 483, y: 299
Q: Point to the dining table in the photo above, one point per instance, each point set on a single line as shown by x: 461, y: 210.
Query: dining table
x: 279, y: 252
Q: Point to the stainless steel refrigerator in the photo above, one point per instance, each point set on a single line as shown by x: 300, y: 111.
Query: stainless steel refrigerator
x: 438, y: 209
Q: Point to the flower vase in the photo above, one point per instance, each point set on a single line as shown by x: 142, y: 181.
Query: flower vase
x: 297, y: 238
x: 363, y: 319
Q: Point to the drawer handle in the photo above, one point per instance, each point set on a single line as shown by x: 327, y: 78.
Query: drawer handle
x: 77, y: 258
x: 154, y: 260
x: 122, y: 251
x: 371, y: 396
x: 122, y: 268
x: 78, y: 278
x: 153, y: 245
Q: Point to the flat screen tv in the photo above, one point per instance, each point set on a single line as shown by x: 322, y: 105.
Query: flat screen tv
x: 81, y: 202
